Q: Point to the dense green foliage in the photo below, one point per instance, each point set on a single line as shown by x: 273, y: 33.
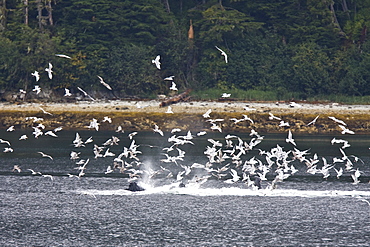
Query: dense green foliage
x: 301, y: 48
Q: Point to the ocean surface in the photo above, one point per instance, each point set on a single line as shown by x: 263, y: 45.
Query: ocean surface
x: 96, y: 209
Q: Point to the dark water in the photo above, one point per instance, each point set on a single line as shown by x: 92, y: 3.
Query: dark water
x: 96, y: 210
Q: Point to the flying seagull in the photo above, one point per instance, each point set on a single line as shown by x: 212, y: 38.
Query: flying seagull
x: 62, y: 55
x: 156, y: 62
x: 85, y: 93
x: 49, y: 70
x: 36, y: 75
x: 222, y: 53
x: 104, y: 83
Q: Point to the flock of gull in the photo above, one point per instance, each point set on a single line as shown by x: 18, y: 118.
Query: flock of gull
x: 228, y: 160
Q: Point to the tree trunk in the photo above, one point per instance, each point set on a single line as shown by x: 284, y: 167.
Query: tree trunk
x: 3, y: 14
x: 25, y: 12
x: 39, y: 13
x: 50, y: 13
x: 167, y: 4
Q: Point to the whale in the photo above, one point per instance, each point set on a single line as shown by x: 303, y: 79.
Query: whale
x: 133, y: 186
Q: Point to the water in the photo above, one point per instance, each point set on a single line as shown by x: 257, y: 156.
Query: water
x: 96, y: 210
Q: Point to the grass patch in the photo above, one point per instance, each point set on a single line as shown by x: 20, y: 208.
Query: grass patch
x: 259, y: 95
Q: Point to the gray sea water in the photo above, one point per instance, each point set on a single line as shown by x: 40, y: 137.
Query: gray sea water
x: 97, y: 210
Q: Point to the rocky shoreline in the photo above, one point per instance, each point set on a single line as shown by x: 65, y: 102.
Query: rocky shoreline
x: 143, y: 115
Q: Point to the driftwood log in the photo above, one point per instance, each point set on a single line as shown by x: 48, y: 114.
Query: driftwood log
x: 177, y: 98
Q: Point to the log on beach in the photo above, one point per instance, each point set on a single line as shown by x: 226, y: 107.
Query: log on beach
x: 182, y: 97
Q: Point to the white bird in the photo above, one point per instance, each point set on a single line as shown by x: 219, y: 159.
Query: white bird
x: 50, y: 133
x: 8, y: 150
x: 169, y: 110
x: 10, y: 129
x: 5, y: 141
x: 16, y: 168
x: 284, y: 124
x: 50, y: 71
x: 156, y: 62
x: 173, y: 87
x: 107, y: 119
x: 294, y: 104
x: 226, y: 95
x: 34, y: 173
x: 36, y: 75
x: 290, y: 138
x: 339, y: 172
x: 313, y: 121
x: 346, y: 130
x: 62, y: 55
x: 37, y: 89
x: 235, y: 177
x: 45, y: 112
x: 170, y: 78
x: 120, y: 129
x: 67, y: 92
x: 202, y: 133
x: 156, y: 129
x: 45, y: 155
x: 338, y: 121
x: 273, y: 117
x: 104, y: 83
x: 23, y: 137
x: 48, y: 176
x: 206, y: 115
x: 86, y: 94
x: 222, y: 53
x: 22, y: 91
x: 109, y: 170
x: 131, y: 135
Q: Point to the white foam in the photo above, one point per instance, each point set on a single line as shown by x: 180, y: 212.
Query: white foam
x: 195, y: 190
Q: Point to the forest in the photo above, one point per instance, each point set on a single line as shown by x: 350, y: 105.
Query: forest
x: 300, y: 49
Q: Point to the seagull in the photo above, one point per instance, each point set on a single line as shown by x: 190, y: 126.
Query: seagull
x: 49, y: 70
x: 67, y: 92
x: 170, y: 78
x: 338, y: 121
x: 23, y: 137
x: 8, y: 150
x: 120, y: 129
x: 10, y: 129
x: 290, y: 138
x: 156, y: 62
x: 156, y: 129
x: 206, y: 115
x: 107, y: 119
x: 45, y: 112
x: 169, y: 110
x: 62, y: 55
x: 22, y: 91
x: 104, y: 83
x: 45, y: 155
x: 36, y: 75
x: 37, y: 89
x: 313, y: 121
x: 226, y: 95
x: 48, y: 176
x: 16, y: 168
x: 272, y: 117
x: 85, y: 93
x: 222, y: 53
x: 50, y: 133
x: 131, y: 135
x: 34, y: 173
x: 346, y: 130
x: 5, y: 141
x: 294, y: 104
x: 173, y: 87
x: 109, y: 170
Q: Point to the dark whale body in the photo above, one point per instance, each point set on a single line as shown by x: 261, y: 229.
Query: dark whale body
x: 133, y: 186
